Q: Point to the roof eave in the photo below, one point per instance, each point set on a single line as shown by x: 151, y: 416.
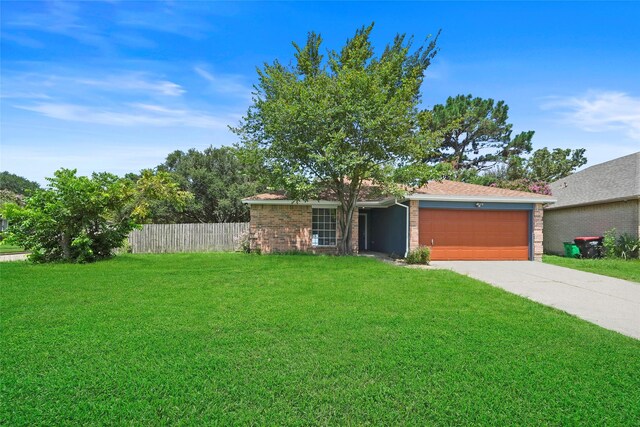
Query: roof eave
x: 361, y: 204
x: 290, y: 202
x: 595, y: 202
x: 484, y: 199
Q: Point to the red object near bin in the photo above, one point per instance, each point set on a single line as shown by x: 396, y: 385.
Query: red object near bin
x: 588, y: 238
x: 590, y: 246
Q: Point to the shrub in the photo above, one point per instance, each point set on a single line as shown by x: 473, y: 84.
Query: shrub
x: 627, y: 246
x: 84, y: 219
x: 245, y: 243
x: 624, y: 246
x: 421, y: 255
x: 609, y: 243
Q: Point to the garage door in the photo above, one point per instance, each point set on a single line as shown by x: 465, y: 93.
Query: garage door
x: 475, y: 235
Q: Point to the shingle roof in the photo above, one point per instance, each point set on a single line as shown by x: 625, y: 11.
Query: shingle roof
x: 280, y: 195
x: 618, y: 179
x: 456, y: 188
x: 433, y: 188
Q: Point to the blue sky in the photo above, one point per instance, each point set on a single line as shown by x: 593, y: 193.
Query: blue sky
x: 116, y: 86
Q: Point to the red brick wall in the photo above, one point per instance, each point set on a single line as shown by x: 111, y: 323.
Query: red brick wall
x: 280, y: 228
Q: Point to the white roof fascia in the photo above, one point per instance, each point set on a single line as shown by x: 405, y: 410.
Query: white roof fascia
x: 376, y: 203
x: 485, y: 199
x: 389, y: 202
x: 363, y: 204
x: 290, y: 202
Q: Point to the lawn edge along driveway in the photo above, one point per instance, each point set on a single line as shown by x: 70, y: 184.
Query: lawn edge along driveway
x: 612, y: 267
x: 606, y: 301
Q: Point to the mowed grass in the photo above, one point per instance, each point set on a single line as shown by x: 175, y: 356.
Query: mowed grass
x: 228, y: 339
x: 620, y: 268
x: 10, y: 249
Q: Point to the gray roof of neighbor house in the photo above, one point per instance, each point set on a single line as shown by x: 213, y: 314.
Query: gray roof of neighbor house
x: 615, y: 180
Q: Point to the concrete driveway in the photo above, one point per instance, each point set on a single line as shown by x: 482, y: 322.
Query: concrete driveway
x: 611, y: 303
x: 13, y: 257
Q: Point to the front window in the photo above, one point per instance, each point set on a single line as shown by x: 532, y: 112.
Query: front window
x: 323, y: 227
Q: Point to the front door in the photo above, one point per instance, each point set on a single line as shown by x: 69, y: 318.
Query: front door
x: 362, y: 232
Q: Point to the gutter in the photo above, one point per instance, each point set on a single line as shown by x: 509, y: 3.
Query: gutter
x: 390, y: 202
x: 592, y: 203
x: 484, y: 199
x: 406, y: 252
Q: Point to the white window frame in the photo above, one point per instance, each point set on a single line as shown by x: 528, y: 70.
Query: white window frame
x: 326, y: 226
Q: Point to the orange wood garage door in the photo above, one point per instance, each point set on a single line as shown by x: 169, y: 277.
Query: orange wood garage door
x: 475, y: 235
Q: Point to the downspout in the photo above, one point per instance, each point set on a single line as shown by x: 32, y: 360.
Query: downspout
x: 406, y: 251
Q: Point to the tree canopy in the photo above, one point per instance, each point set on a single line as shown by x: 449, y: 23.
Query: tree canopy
x: 218, y: 180
x: 473, y: 133
x: 16, y: 184
x: 474, y: 143
x: 549, y: 166
x: 82, y: 219
x: 330, y: 124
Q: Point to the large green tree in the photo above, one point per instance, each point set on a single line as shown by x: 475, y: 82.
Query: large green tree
x: 82, y: 219
x: 218, y: 180
x: 549, y: 166
x: 329, y: 125
x: 16, y: 184
x: 532, y: 173
x: 473, y: 133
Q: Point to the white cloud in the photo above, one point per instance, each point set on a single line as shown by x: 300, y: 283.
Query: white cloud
x: 65, y: 83
x: 225, y: 83
x: 120, y: 98
x: 600, y: 111
x: 135, y: 82
x: 63, y: 18
x: 131, y: 115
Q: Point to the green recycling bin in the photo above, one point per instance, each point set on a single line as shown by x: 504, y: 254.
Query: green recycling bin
x: 571, y: 250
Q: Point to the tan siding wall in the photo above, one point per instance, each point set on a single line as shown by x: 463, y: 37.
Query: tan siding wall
x: 563, y: 225
x: 280, y: 228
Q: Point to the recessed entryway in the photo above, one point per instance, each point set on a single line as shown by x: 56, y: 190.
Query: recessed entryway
x: 363, y: 238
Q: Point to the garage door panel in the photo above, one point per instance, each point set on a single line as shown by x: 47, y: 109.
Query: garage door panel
x: 475, y: 235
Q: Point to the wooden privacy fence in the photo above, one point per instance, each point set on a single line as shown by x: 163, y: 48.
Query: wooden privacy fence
x: 158, y: 238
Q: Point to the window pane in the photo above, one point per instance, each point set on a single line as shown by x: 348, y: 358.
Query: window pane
x: 323, y: 227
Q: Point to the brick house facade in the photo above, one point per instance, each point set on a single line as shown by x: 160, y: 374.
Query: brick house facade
x: 282, y: 228
x: 387, y: 225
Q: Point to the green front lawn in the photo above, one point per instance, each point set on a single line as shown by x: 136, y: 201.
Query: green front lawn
x: 9, y: 249
x: 620, y: 268
x: 227, y: 339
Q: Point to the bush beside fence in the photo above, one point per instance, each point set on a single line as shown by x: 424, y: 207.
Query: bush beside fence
x: 161, y: 238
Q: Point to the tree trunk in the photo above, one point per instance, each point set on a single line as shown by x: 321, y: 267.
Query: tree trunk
x: 65, y: 243
x: 345, y: 217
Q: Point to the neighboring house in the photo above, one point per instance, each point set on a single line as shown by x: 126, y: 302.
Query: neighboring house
x: 594, y: 200
x: 458, y: 221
